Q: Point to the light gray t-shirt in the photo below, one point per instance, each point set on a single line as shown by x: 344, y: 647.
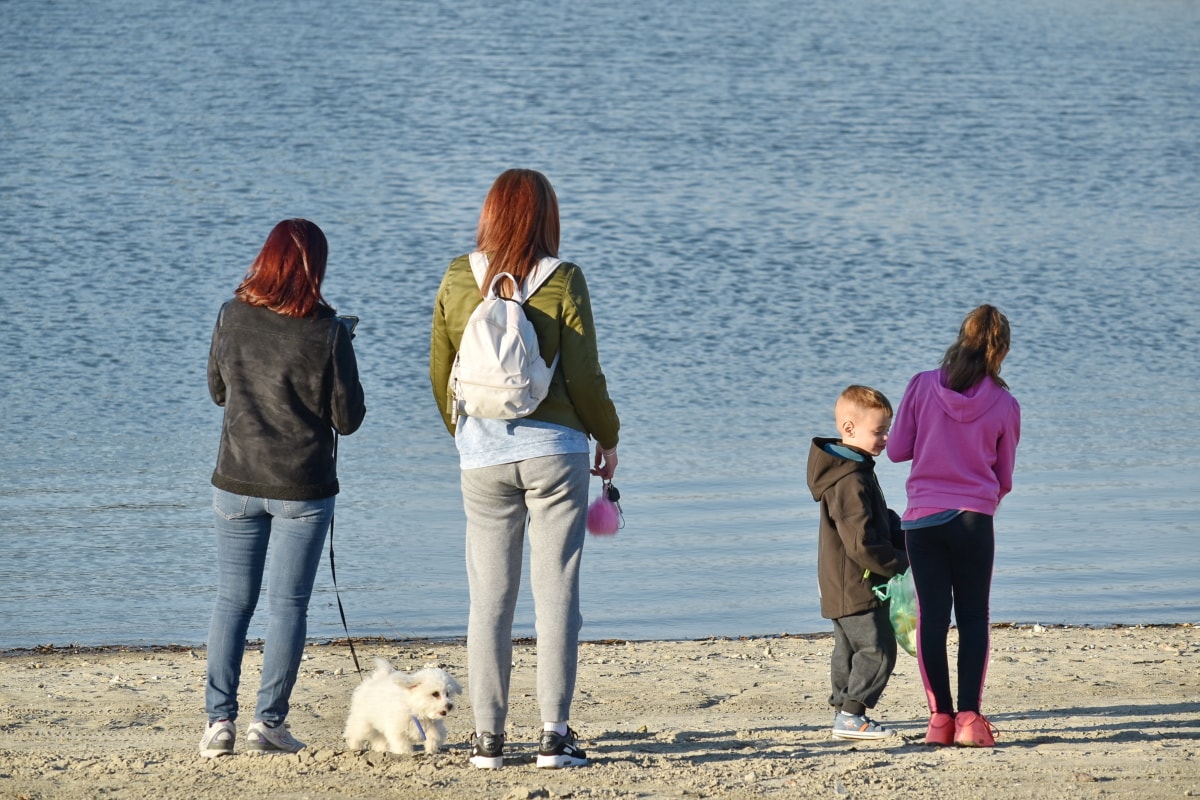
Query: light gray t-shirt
x: 488, y: 442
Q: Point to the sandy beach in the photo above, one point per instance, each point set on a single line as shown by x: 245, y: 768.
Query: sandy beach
x: 1081, y: 713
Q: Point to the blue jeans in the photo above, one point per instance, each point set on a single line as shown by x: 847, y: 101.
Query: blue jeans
x: 245, y: 525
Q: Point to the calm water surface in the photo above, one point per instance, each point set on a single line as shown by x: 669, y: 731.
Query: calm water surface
x: 769, y: 204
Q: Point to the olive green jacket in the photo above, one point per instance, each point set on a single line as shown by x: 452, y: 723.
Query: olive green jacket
x: 561, y: 313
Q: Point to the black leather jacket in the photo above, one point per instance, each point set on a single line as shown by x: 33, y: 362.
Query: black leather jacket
x: 286, y: 384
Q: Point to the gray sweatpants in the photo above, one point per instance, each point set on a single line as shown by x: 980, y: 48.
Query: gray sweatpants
x: 864, y: 655
x: 551, y: 491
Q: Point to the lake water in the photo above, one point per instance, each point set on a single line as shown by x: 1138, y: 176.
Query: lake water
x: 770, y: 200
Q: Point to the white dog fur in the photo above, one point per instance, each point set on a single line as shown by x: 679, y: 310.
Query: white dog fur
x: 391, y: 711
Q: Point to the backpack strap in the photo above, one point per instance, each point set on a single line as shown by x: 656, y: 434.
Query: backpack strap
x: 541, y: 273
x: 491, y: 292
x: 479, y: 267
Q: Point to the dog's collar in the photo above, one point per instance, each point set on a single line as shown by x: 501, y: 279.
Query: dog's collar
x: 420, y: 730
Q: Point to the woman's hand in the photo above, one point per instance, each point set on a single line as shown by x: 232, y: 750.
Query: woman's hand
x: 606, y: 462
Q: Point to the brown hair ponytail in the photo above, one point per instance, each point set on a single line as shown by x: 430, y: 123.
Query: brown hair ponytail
x: 983, y: 342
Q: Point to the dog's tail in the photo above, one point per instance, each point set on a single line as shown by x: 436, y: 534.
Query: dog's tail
x: 383, y: 666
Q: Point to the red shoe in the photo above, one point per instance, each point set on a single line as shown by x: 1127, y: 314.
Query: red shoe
x: 972, y: 729
x: 941, y: 730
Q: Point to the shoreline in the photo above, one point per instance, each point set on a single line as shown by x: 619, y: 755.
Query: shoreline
x: 252, y: 644
x: 1092, y: 712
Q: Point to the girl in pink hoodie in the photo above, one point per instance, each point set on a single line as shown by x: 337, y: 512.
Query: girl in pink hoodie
x: 959, y: 426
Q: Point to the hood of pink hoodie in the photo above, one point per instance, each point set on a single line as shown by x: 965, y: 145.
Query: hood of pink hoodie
x: 970, y: 405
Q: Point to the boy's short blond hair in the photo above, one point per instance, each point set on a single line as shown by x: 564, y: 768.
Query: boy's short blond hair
x: 859, y: 398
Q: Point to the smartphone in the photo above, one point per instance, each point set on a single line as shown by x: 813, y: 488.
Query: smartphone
x: 350, y: 322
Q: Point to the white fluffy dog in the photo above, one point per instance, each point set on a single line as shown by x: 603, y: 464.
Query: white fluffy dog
x: 391, y: 711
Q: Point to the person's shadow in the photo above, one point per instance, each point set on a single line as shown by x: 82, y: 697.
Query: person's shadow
x: 1169, y: 721
x: 1096, y: 724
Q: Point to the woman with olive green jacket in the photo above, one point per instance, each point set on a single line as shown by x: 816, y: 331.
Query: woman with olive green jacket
x: 527, y: 475
x: 561, y: 313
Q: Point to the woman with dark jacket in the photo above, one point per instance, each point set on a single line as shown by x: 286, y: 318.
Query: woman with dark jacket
x: 282, y: 366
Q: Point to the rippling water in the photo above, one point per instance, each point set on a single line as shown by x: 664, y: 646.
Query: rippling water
x: 769, y: 203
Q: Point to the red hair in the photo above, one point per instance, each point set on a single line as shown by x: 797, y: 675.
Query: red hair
x: 286, y: 277
x: 518, y: 225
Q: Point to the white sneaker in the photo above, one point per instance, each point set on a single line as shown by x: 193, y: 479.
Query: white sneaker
x: 263, y: 739
x: 218, y: 739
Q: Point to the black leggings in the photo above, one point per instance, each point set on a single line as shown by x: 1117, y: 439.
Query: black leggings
x: 952, y: 568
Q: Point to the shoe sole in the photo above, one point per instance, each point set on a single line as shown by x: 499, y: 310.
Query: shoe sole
x: 560, y: 762
x: 271, y: 751
x: 216, y: 753
x: 487, y: 762
x: 861, y: 737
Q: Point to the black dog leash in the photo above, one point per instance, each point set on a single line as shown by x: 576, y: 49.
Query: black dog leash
x: 333, y: 574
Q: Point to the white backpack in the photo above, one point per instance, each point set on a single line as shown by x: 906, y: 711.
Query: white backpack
x: 499, y: 372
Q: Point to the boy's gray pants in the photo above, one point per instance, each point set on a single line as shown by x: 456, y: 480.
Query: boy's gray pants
x: 864, y: 655
x: 552, y: 492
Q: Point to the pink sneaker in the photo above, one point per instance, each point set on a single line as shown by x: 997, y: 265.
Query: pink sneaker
x: 941, y: 730
x: 972, y: 729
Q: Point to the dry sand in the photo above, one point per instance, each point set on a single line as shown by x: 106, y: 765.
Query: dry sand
x: 1081, y: 713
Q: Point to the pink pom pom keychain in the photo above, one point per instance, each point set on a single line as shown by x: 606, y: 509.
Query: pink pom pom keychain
x: 604, y: 516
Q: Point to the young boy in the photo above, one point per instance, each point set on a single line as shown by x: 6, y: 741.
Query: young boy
x: 860, y: 545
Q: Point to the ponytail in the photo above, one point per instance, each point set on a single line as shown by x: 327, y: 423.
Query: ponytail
x: 983, y: 342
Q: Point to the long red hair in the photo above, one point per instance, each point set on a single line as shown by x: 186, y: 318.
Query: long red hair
x: 983, y: 342
x: 286, y: 277
x: 518, y: 225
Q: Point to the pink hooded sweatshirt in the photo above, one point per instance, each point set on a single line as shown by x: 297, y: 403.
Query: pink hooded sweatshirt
x: 962, y: 446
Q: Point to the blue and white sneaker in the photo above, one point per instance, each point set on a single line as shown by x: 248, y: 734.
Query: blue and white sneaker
x: 858, y: 726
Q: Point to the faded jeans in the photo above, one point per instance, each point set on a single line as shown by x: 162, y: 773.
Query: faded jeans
x: 245, y: 526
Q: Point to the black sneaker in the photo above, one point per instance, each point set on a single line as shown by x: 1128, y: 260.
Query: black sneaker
x: 487, y: 750
x: 556, y: 751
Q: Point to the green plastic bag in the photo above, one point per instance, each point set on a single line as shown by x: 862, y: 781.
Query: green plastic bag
x: 901, y: 597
